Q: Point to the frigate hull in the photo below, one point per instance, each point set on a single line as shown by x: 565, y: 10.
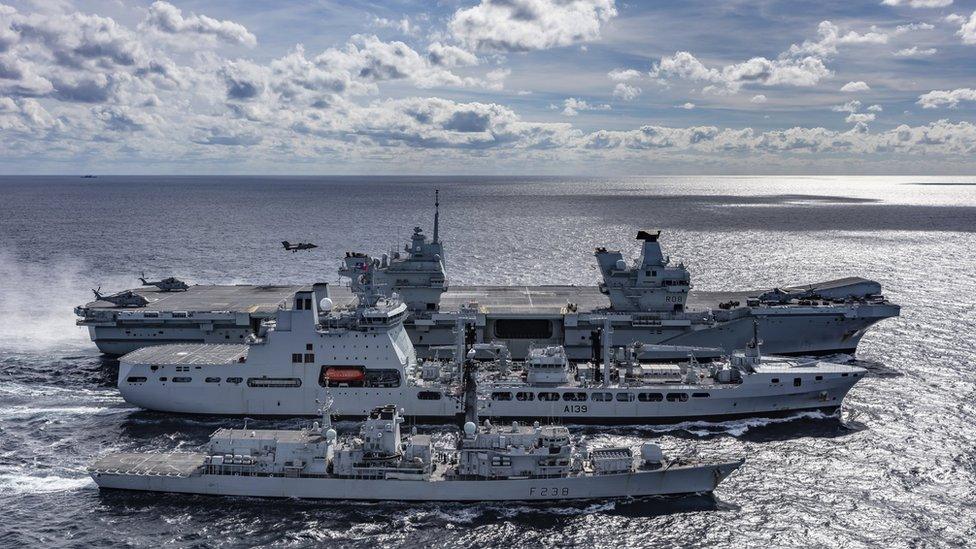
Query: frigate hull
x: 665, y: 481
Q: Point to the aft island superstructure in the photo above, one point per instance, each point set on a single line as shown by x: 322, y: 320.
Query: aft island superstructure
x: 649, y: 300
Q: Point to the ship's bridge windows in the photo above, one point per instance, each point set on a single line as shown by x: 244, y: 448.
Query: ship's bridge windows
x: 677, y: 397
x: 523, y: 328
x: 601, y: 397
x: 429, y: 395
x: 625, y: 397
x: 549, y: 397
x: 274, y: 382
x: 650, y: 397
x: 524, y: 396
x: 501, y: 395
x: 135, y: 379
x: 575, y: 397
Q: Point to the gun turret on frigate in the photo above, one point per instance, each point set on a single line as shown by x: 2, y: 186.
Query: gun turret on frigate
x: 650, y: 284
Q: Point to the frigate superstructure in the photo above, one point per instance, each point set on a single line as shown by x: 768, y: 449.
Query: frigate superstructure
x: 650, y: 300
x: 489, y: 463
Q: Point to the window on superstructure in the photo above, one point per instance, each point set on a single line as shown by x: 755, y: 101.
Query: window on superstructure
x: 182, y: 379
x: 235, y: 380
x: 625, y: 397
x: 677, y: 397
x: 650, y: 397
x: 524, y: 396
x: 135, y: 379
x: 429, y: 395
x: 797, y: 381
x: 574, y: 397
x: 601, y: 397
x: 548, y: 397
x: 212, y: 380
x: 309, y: 358
x: 501, y: 396
x: 296, y: 358
x: 701, y: 395
x: 308, y: 347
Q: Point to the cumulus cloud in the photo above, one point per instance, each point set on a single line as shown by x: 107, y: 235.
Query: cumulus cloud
x: 450, y: 56
x: 800, y: 65
x: 624, y: 75
x: 573, y: 106
x: 914, y: 51
x: 524, y: 25
x: 968, y: 30
x: 626, y: 92
x: 168, y: 19
x: 902, y: 29
x: 918, y: 3
x: 875, y: 108
x: 853, y: 87
x: 850, y: 106
x: 946, y: 98
x: 859, y: 117
x: 686, y: 106
x: 403, y: 24
x: 758, y: 98
x: 730, y: 78
x: 830, y: 37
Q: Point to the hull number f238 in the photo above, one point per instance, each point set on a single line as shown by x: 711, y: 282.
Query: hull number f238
x: 548, y: 491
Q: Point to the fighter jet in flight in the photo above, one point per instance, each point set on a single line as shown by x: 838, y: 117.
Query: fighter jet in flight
x: 300, y: 246
x: 125, y: 298
x: 169, y: 284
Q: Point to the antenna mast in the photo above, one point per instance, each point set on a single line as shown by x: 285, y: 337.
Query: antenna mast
x: 437, y: 214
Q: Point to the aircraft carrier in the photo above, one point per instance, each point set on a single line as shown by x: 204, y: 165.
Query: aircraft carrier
x: 648, y: 300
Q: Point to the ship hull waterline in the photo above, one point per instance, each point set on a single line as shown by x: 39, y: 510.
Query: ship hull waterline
x: 664, y: 482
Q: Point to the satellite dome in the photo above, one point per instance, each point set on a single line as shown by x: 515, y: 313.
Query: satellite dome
x: 470, y: 428
x: 325, y: 304
x: 651, y: 452
x: 621, y: 265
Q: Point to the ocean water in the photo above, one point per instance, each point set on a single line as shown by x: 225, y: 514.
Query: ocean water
x: 896, y: 468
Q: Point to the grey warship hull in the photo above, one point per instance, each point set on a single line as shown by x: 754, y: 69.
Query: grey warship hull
x: 186, y: 474
x: 516, y: 315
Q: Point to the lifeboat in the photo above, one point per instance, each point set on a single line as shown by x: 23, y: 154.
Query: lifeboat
x: 340, y: 374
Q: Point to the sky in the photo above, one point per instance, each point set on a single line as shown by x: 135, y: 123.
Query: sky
x: 581, y: 87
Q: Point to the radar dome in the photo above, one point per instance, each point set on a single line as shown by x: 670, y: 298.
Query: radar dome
x: 470, y: 428
x: 621, y: 265
x: 651, y: 453
x: 325, y: 304
x: 330, y: 435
